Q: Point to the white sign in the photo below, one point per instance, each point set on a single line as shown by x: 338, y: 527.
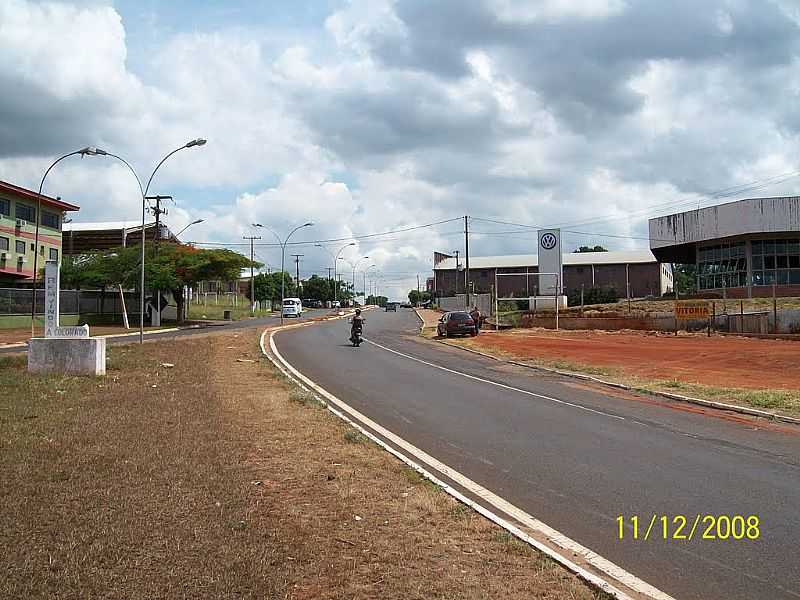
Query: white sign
x: 81, y: 331
x: 550, y: 262
x: 52, y: 291
x: 51, y: 294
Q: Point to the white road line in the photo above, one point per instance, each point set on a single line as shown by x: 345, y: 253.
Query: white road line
x: 495, y: 383
x: 571, y: 547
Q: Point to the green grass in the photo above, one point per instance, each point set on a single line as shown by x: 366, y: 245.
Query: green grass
x: 215, y: 312
x: 304, y: 397
x: 785, y: 401
x: 512, y: 543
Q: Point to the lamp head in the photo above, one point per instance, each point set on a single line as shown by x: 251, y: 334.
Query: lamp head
x: 309, y: 224
x: 92, y: 151
x: 197, y: 142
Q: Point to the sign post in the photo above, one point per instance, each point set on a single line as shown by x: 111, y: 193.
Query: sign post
x: 550, y: 261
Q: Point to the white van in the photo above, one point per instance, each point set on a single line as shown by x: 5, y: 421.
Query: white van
x: 292, y: 307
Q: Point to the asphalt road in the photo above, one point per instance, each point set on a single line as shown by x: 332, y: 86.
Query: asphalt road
x: 578, y: 455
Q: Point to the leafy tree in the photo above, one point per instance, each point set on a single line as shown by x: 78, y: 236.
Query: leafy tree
x: 379, y: 300
x: 593, y: 295
x: 167, y: 267
x: 685, y: 278
x: 318, y: 288
x: 415, y: 297
x: 591, y: 249
x: 268, y: 287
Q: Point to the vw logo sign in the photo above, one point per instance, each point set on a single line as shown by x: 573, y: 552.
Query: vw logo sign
x: 548, y: 241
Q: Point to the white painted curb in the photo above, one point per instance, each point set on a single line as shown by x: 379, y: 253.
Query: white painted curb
x: 610, y: 571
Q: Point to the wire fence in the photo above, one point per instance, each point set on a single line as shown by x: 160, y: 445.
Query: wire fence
x: 14, y: 301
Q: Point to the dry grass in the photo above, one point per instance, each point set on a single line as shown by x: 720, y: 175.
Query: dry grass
x: 215, y: 479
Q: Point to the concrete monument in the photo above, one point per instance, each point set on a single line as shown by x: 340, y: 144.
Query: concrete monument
x: 63, y: 349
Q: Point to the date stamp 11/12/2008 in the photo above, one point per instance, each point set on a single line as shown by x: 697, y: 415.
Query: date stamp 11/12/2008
x: 686, y: 528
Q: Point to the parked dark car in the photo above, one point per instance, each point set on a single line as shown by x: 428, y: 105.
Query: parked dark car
x: 456, y: 323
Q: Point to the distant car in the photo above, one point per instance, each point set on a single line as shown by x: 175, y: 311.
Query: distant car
x: 391, y: 306
x: 405, y: 305
x: 336, y: 304
x: 456, y: 323
x: 292, y: 307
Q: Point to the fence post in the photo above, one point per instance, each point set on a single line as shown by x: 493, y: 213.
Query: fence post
x: 774, y: 308
x: 581, y: 299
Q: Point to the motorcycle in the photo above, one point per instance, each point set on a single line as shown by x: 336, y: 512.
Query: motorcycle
x: 356, y: 335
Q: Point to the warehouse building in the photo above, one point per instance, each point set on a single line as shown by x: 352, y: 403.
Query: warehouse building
x: 637, y: 268
x: 80, y: 238
x: 744, y: 249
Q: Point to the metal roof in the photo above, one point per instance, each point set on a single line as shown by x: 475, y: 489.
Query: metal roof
x: 106, y: 225
x: 532, y: 260
x: 10, y: 188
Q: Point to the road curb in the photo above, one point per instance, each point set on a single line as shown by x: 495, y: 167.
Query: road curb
x: 606, y: 576
x: 753, y: 412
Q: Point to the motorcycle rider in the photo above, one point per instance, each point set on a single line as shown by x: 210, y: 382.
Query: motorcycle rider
x: 357, y: 325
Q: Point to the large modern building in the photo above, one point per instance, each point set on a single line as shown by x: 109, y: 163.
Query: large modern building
x: 80, y: 238
x: 741, y: 249
x: 18, y: 217
x: 637, y: 268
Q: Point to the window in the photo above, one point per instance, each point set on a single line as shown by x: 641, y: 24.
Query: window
x: 722, y: 266
x: 53, y: 253
x: 20, y: 247
x: 5, y: 207
x: 51, y: 219
x: 781, y: 255
x: 3, y: 243
x: 28, y: 213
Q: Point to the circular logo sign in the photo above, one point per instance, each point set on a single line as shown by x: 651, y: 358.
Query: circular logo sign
x: 548, y: 241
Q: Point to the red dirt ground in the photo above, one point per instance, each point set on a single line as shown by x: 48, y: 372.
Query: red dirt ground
x: 716, y: 361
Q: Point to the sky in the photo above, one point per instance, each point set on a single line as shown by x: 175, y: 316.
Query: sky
x: 376, y: 116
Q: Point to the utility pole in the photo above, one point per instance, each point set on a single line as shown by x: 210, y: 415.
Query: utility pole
x: 456, y: 252
x: 297, y: 270
x: 157, y: 211
x: 466, y: 253
x: 252, y: 277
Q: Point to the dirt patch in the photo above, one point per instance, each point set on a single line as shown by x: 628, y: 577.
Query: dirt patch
x: 716, y: 361
x: 214, y: 478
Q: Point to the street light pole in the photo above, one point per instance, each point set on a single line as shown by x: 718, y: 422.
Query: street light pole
x: 283, y: 255
x: 355, y: 268
x: 191, y: 144
x: 88, y: 151
x: 189, y: 225
x: 335, y: 265
x: 365, y: 281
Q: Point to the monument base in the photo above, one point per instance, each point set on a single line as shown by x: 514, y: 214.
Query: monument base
x: 75, y: 356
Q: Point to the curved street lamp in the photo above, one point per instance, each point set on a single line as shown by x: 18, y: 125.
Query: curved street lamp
x: 355, y: 268
x: 283, y: 255
x: 87, y: 151
x: 365, y: 280
x: 189, y: 225
x: 191, y: 144
x: 335, y: 258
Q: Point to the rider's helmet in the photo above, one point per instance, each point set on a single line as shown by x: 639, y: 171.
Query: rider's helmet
x: 358, y: 311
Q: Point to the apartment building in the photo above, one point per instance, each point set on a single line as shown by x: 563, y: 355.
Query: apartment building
x: 18, y: 217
